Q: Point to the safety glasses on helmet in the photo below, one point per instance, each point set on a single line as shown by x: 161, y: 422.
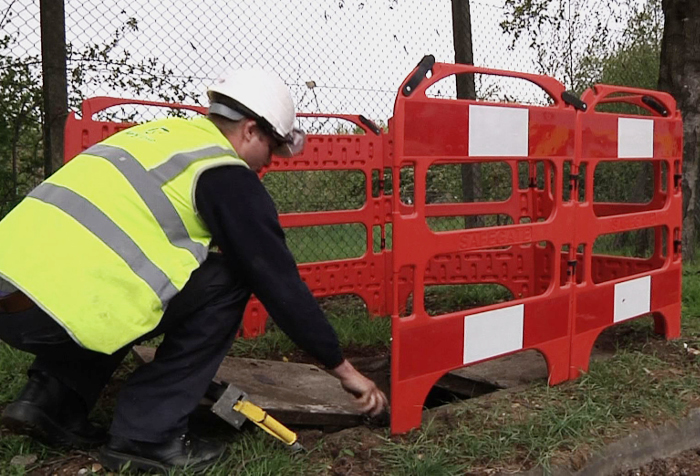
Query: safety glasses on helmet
x: 291, y: 145
x: 285, y: 146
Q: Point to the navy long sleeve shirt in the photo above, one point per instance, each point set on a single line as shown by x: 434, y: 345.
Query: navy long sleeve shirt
x: 244, y: 223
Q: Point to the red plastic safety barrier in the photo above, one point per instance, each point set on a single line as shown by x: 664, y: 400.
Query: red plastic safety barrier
x: 564, y: 294
x: 363, y: 276
x: 429, y: 131
x: 81, y: 133
x: 612, y: 289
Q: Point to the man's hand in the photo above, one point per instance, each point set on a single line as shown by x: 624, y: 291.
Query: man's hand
x: 371, y: 400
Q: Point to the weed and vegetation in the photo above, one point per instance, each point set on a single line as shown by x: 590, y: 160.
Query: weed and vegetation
x: 357, y: 333
x: 648, y: 381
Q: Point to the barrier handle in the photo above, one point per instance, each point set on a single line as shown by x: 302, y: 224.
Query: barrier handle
x: 91, y: 106
x: 417, y: 80
x: 656, y: 102
x: 425, y: 65
x: 372, y: 126
x: 357, y: 119
x: 99, y: 103
x: 655, y: 105
x: 571, y: 99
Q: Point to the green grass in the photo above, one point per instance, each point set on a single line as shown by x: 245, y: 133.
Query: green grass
x: 648, y: 381
x: 541, y: 422
x: 329, y: 242
x: 12, y: 446
x: 333, y: 242
x: 13, y: 369
x: 691, y: 300
x: 348, y: 317
x: 253, y: 453
x: 456, y: 297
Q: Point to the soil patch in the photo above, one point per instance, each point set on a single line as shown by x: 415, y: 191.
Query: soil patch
x: 355, y: 451
x: 69, y: 464
x: 683, y: 464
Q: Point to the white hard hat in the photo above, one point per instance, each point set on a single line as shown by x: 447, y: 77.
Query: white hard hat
x: 262, y: 96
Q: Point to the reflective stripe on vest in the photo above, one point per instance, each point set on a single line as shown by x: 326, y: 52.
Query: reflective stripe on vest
x: 100, y: 225
x: 172, y: 167
x: 105, y: 243
x: 148, y: 185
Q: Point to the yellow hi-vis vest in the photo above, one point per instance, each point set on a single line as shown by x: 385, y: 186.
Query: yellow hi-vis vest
x: 105, y: 243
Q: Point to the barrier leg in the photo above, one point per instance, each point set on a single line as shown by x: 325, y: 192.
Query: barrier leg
x: 668, y: 321
x: 556, y: 353
x: 407, y: 399
x: 581, y: 347
x: 254, y: 320
x: 374, y: 300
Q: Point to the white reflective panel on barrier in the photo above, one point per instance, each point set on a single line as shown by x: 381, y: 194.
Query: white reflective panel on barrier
x: 492, y: 333
x: 635, y: 138
x: 498, y: 131
x: 632, y: 298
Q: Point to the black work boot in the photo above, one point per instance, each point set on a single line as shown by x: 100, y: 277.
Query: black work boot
x: 53, y: 414
x: 186, y: 451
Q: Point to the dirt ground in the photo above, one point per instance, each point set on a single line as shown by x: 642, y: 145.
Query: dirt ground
x: 361, y: 441
x: 350, y: 452
x: 75, y: 463
x: 683, y: 464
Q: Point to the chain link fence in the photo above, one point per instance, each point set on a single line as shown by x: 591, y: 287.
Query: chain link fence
x: 341, y: 56
x: 337, y: 56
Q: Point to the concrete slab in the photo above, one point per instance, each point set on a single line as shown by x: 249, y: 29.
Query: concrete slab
x: 633, y: 451
x: 295, y: 394
x: 303, y: 394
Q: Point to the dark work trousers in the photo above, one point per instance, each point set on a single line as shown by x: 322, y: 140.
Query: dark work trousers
x: 199, y: 326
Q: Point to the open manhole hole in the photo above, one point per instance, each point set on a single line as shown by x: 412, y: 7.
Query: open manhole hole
x: 468, y: 382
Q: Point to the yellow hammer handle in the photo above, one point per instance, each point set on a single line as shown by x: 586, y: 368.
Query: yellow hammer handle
x: 260, y: 417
